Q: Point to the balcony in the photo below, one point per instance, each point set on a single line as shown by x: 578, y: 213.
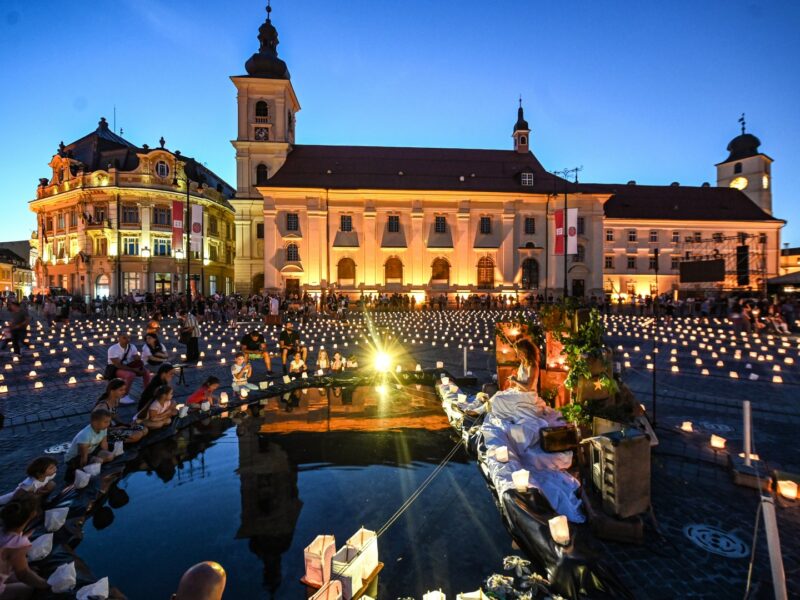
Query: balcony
x: 261, y: 120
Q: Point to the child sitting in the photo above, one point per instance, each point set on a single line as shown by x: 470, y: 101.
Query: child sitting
x: 16, y: 517
x: 161, y: 410
x: 323, y: 361
x: 41, y: 472
x: 90, y: 444
x: 338, y: 363
x: 240, y: 372
x: 297, y: 365
x: 204, y: 394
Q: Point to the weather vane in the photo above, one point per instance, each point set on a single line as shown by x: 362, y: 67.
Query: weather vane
x: 741, y: 120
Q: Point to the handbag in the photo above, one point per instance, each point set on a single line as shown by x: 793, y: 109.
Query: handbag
x: 110, y: 371
x: 185, y: 336
x: 559, y: 439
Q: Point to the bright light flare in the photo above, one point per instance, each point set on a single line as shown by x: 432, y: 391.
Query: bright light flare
x: 383, y: 362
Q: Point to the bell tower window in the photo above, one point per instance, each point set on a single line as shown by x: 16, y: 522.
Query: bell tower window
x: 262, y: 174
x: 262, y: 112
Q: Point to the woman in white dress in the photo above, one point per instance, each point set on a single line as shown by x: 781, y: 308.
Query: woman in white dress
x: 527, y: 375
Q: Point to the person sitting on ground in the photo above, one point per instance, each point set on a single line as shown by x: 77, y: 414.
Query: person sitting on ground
x: 163, y: 376
x: 297, y: 365
x: 527, y: 375
x: 153, y: 325
x: 161, y: 409
x: 289, y: 341
x: 153, y: 351
x: 17, y: 579
x: 323, y: 361
x: 205, y: 393
x: 39, y: 482
x: 120, y: 431
x: 254, y: 346
x: 128, y: 365
x: 337, y: 365
x: 241, y: 370
x: 90, y: 444
x: 203, y: 581
x: 352, y: 362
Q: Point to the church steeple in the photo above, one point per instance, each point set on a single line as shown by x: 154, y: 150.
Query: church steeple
x: 522, y: 132
x: 265, y: 63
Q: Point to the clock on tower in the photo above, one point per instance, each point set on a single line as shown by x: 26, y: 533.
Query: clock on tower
x: 262, y: 134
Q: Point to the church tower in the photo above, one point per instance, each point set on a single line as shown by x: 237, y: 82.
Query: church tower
x: 267, y: 106
x: 747, y: 169
x: 521, y: 133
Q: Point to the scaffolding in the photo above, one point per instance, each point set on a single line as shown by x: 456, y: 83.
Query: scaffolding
x: 745, y: 257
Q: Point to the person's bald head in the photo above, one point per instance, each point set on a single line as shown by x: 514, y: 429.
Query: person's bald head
x: 203, y: 581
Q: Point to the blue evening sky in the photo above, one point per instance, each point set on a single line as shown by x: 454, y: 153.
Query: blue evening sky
x: 649, y: 91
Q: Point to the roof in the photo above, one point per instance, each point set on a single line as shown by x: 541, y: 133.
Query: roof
x: 790, y: 252
x: 788, y: 279
x: 10, y: 258
x: 684, y: 203
x: 408, y: 168
x: 743, y: 146
x: 103, y: 148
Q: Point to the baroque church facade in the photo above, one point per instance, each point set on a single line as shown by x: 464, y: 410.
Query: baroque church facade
x: 420, y: 221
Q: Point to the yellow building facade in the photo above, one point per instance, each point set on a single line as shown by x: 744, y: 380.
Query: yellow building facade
x: 105, y: 221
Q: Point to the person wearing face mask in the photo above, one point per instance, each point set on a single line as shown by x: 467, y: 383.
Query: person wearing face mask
x: 41, y: 472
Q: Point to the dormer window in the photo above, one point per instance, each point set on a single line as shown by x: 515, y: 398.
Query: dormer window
x: 162, y: 169
x: 527, y: 179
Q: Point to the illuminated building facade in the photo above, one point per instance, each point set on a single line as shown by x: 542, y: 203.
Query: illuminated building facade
x: 105, y: 221
x: 457, y: 221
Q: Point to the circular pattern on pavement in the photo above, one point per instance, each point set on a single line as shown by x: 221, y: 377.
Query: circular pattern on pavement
x: 715, y: 540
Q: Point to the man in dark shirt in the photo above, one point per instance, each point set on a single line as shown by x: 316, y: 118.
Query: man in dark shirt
x: 18, y: 325
x: 289, y: 341
x: 254, y: 346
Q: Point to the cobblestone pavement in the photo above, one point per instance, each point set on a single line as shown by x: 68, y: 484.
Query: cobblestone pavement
x: 692, y: 488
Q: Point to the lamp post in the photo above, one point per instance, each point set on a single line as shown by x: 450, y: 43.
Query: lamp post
x: 566, y: 173
x: 187, y: 228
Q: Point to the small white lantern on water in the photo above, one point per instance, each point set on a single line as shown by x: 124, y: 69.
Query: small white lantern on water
x: 223, y: 398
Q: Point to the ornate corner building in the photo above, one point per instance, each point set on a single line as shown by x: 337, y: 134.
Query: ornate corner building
x: 105, y: 223
x: 457, y: 221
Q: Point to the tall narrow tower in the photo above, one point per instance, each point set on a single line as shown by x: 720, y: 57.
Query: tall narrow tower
x: 267, y: 106
x: 747, y: 169
x: 522, y: 132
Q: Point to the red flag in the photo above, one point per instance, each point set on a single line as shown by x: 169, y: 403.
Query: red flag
x: 177, y: 224
x: 559, y: 219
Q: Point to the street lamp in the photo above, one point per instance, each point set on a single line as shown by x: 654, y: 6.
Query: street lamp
x: 145, y: 252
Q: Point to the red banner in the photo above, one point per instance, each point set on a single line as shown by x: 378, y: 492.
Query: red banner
x: 559, y: 218
x: 177, y: 225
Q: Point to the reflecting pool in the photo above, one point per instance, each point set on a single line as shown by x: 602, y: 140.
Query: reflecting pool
x: 252, y: 489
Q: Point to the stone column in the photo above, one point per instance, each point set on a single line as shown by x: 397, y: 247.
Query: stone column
x: 506, y: 253
x: 371, y: 249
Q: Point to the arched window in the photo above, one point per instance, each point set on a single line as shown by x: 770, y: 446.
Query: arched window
x: 440, y: 272
x: 346, y: 272
x: 580, y: 256
x: 292, y: 252
x: 737, y: 168
x: 486, y: 272
x: 101, y: 286
x: 262, y: 111
x: 530, y: 274
x: 262, y: 174
x: 393, y: 270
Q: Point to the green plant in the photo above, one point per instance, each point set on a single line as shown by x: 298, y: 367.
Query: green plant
x: 581, y: 352
x: 575, y: 413
x: 549, y: 396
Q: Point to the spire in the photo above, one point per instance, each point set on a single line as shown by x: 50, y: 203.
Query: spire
x: 741, y: 120
x: 265, y: 63
x: 521, y: 124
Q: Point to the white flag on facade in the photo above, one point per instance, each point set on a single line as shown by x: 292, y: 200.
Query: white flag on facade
x: 197, y: 227
x: 572, y: 231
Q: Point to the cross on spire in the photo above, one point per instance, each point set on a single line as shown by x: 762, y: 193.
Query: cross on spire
x: 520, y: 100
x: 742, y: 121
x: 269, y: 8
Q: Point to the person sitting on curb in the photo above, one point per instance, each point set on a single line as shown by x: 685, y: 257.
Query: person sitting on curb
x: 254, y: 346
x: 39, y: 482
x: 16, y: 516
x: 203, y: 581
x: 289, y: 341
x: 161, y: 410
x: 241, y: 370
x: 337, y: 364
x: 125, y: 362
x: 163, y: 376
x: 205, y: 393
x: 323, y: 360
x: 153, y: 352
x: 297, y: 365
x: 90, y: 444
x: 128, y: 433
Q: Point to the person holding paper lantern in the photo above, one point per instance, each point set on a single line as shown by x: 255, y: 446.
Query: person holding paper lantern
x: 241, y: 370
x: 297, y: 365
x: 39, y: 482
x: 90, y: 444
x: 119, y: 431
x: 205, y: 393
x: 527, y: 375
x: 161, y: 410
x: 17, y: 579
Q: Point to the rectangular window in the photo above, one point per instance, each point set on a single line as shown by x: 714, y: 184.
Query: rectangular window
x: 440, y: 225
x: 530, y: 226
x: 99, y: 214
x: 762, y: 238
x: 393, y: 224
x: 609, y: 262
x: 130, y: 214
x: 581, y: 225
x: 717, y: 237
x: 486, y: 225
x: 673, y: 263
x: 652, y: 263
x: 212, y: 284
x: 259, y: 231
x: 228, y: 288
x: 60, y: 220
x: 527, y: 179
x: 292, y: 222
x: 130, y: 246
x: 162, y: 247
x: 697, y: 236
x: 101, y: 246
x: 213, y: 225
x: 676, y: 237
x: 609, y: 235
x: 346, y: 223
x: 631, y: 235
x: 130, y: 282
x: 631, y: 262
x: 162, y: 216
x: 49, y: 223
x: 73, y: 218
x: 213, y: 253
x: 653, y: 235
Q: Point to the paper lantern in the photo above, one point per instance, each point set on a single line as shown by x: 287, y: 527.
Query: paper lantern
x: 559, y: 530
x: 787, y: 489
x: 520, y: 479
x: 244, y: 393
x: 3, y: 389
x: 72, y: 380
x: 718, y: 441
x: 501, y: 454
x: 183, y: 410
x: 223, y: 398
x: 38, y: 385
x: 434, y: 595
x: 687, y: 426
x: 205, y: 406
